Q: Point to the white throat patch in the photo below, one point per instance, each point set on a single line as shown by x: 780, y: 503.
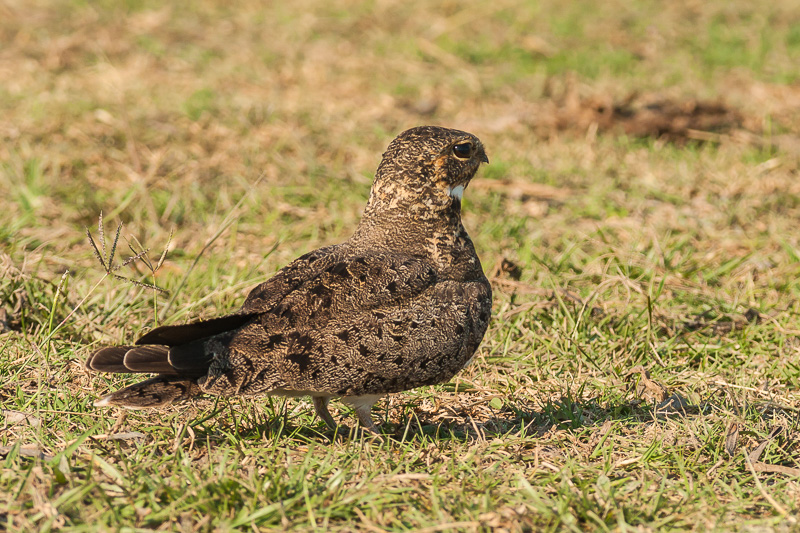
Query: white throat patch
x: 456, y: 192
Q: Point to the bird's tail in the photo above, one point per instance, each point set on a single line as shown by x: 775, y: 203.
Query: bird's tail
x: 169, y: 386
x: 155, y: 392
x: 178, y: 354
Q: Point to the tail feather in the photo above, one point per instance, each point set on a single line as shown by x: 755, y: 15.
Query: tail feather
x: 149, y: 359
x: 109, y: 359
x: 154, y: 392
x: 131, y: 359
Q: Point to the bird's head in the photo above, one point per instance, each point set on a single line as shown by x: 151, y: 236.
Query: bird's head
x: 425, y: 170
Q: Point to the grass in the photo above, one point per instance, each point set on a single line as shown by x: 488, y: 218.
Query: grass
x: 652, y: 274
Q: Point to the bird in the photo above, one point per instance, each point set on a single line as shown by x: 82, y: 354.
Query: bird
x: 403, y: 303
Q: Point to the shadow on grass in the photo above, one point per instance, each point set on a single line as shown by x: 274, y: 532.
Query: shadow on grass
x: 230, y: 423
x: 526, y: 419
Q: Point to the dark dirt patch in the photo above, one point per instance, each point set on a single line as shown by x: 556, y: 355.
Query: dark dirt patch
x: 639, y: 115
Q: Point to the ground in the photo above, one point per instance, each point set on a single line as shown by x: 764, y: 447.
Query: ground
x: 639, y: 220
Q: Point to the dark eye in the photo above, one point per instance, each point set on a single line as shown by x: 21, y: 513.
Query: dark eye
x: 463, y: 150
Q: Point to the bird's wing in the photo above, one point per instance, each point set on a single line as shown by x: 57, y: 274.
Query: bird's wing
x: 352, y: 284
x: 179, y: 334
x: 306, y: 267
x: 261, y: 298
x: 354, y: 297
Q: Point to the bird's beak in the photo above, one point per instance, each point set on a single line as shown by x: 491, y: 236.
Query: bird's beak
x: 482, y: 156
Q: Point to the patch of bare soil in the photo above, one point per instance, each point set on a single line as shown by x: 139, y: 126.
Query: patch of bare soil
x: 768, y: 116
x: 639, y: 115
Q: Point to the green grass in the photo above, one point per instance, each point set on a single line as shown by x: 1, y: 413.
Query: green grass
x: 248, y: 136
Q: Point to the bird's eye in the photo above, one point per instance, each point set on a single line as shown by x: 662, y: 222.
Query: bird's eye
x: 463, y: 150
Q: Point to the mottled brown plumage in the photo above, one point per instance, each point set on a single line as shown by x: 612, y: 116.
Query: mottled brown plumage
x: 403, y: 303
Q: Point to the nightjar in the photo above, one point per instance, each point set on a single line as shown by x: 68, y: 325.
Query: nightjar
x: 402, y: 303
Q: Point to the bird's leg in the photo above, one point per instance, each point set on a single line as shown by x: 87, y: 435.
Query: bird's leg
x: 363, y: 408
x: 364, y: 413
x: 321, y: 407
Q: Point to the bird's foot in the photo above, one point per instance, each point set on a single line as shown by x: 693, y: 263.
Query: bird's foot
x: 364, y: 413
x: 321, y: 408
